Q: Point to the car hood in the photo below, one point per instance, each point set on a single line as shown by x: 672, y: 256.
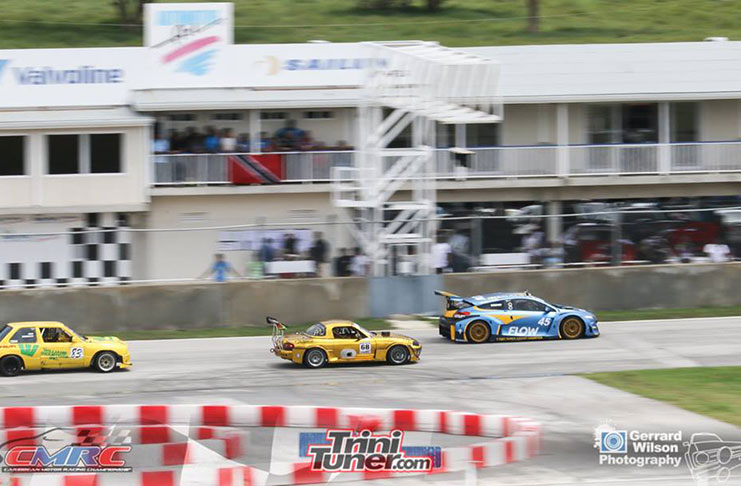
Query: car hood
x: 104, y: 339
x: 391, y: 335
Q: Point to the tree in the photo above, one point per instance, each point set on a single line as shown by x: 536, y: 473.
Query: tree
x: 130, y: 11
x: 533, y: 16
x: 432, y: 5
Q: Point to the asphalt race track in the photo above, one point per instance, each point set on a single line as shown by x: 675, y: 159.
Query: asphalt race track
x: 533, y: 379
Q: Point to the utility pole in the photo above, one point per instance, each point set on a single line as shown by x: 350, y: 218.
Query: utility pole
x: 533, y: 16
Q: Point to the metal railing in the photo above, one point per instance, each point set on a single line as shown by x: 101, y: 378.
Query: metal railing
x: 489, y: 162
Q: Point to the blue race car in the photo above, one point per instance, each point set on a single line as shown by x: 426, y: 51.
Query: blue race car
x: 506, y: 316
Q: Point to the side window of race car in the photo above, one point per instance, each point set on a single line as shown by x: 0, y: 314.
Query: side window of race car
x: 528, y: 305
x: 24, y: 335
x: 492, y: 305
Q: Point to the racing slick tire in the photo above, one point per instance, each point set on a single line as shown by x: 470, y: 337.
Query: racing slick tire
x: 397, y: 355
x: 572, y: 328
x: 315, y: 358
x: 10, y: 366
x: 478, y: 332
x: 105, y: 362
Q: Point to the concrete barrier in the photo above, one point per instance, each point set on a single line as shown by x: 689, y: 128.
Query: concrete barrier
x: 189, y: 306
x: 615, y: 288
x: 200, y: 305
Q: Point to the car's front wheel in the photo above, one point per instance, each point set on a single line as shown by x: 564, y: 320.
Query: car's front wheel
x: 397, y: 355
x: 10, y: 366
x: 105, y: 362
x: 315, y: 358
x: 572, y: 328
x: 478, y: 332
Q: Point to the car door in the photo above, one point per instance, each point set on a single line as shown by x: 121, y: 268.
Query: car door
x: 27, y: 341
x: 527, y: 318
x: 58, y: 349
x: 351, y: 345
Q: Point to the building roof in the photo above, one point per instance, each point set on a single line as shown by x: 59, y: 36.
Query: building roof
x: 81, y: 118
x: 616, y: 72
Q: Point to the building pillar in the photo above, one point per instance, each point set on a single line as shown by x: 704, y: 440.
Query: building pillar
x: 562, y: 140
x: 554, y: 223
x: 664, y: 154
x: 255, y: 128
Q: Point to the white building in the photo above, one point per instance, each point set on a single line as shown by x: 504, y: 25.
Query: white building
x: 77, y: 129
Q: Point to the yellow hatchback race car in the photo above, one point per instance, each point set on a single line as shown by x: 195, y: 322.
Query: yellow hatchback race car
x: 342, y: 342
x: 52, y: 345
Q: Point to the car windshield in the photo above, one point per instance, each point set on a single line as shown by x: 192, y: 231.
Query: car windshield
x: 74, y: 333
x: 316, y: 330
x: 4, y: 332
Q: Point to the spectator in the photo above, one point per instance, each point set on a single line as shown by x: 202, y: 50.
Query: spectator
x: 243, y: 142
x: 342, y: 263
x: 307, y: 141
x: 441, y: 255
x: 177, y: 142
x: 359, y: 264
x: 289, y: 245
x: 228, y: 142
x: 212, y: 143
x: 289, y: 136
x: 684, y: 249
x: 318, y: 253
x: 193, y: 141
x: 220, y: 269
x: 553, y: 255
x: 717, y: 252
x: 266, y: 254
x: 266, y: 144
x: 161, y: 144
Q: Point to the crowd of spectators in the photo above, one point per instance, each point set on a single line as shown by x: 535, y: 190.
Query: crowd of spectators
x: 289, y: 138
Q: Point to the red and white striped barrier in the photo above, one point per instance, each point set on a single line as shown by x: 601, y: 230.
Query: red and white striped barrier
x: 514, y: 438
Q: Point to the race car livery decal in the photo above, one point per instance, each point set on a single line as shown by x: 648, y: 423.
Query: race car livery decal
x: 521, y: 331
x: 348, y: 354
x: 365, y: 347
x: 76, y: 353
x: 28, y: 349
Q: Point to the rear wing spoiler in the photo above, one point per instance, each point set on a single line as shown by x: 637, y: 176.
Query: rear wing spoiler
x: 276, y: 323
x: 279, y: 330
x: 453, y: 301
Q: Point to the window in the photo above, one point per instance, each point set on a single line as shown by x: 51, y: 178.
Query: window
x: 346, y: 332
x: 64, y: 154
x: 12, y: 151
x: 55, y: 335
x: 683, y: 122
x: 482, y: 135
x: 84, y: 154
x: 226, y: 116
x: 46, y: 269
x: 318, y: 115
x: 492, y: 305
x: 105, y: 153
x: 316, y: 330
x: 528, y: 305
x: 273, y: 115
x: 182, y: 117
x: 602, y: 129
x: 640, y: 123
x: 24, y: 335
x: 4, y: 332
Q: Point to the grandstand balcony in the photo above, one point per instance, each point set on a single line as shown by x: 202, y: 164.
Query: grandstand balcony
x: 503, y: 162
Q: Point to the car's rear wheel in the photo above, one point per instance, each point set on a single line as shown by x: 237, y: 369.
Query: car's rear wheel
x: 10, y: 366
x: 572, y: 328
x: 105, y: 362
x: 397, y: 355
x: 315, y: 358
x: 478, y: 332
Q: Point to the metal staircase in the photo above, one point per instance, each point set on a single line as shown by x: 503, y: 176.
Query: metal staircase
x: 409, y: 86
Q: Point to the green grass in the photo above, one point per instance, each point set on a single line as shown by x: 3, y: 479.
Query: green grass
x: 715, y: 392
x: 214, y: 332
x: 82, y: 23
x: 639, y: 315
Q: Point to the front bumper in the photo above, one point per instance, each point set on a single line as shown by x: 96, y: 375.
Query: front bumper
x: 125, y: 361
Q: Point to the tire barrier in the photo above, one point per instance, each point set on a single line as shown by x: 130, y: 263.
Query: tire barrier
x: 207, y: 452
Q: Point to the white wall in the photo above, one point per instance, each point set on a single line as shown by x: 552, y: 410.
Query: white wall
x: 40, y: 192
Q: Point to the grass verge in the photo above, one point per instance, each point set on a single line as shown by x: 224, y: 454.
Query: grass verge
x: 145, y: 334
x: 639, y: 315
x: 715, y: 392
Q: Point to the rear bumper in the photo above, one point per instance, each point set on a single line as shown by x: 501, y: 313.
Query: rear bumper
x: 446, y: 328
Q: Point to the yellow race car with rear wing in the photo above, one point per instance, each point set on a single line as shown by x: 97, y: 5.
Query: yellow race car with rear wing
x: 341, y: 341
